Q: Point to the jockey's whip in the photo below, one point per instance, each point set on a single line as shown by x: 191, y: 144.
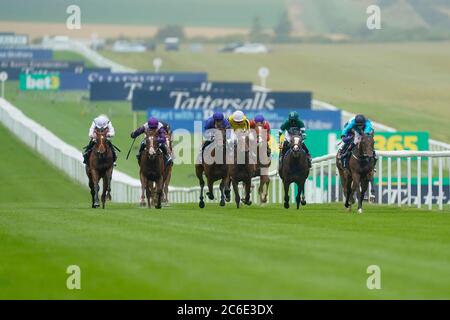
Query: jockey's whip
x: 132, y: 144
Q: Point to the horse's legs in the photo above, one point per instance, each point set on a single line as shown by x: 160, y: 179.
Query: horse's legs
x: 148, y: 191
x: 199, y: 173
x: 297, y: 198
x: 159, y: 191
x: 263, y: 187
x: 348, y: 192
x: 95, y: 180
x: 302, y: 199
x: 210, y: 192
x: 92, y: 187
x: 143, y: 189
x: 364, y: 186
x: 222, y: 196
x: 248, y: 185
x: 237, y: 197
x: 227, y: 191
x: 105, y: 190
x: 356, y: 187
x: 286, y: 193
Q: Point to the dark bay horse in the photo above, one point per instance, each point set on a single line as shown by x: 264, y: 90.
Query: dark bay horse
x: 262, y: 162
x: 295, y: 169
x: 214, y: 170
x: 152, y: 170
x: 356, y: 178
x: 100, y: 167
x: 243, y: 167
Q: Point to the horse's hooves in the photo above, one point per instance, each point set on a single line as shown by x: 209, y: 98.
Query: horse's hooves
x: 228, y: 199
x: 249, y: 203
x: 158, y: 207
x: 222, y: 203
x: 286, y: 205
x: 298, y: 205
x: 303, y: 203
x: 210, y: 196
x: 360, y: 210
x: 201, y: 204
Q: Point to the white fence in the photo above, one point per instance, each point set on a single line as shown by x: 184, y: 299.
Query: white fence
x: 62, y: 155
x: 322, y: 187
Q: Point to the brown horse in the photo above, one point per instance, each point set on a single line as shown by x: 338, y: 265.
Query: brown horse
x: 217, y: 170
x: 243, y: 166
x: 295, y: 168
x: 168, y: 170
x: 262, y: 162
x: 100, y: 167
x: 152, y: 170
x: 356, y: 178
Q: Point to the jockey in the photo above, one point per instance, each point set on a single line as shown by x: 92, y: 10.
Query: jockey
x: 216, y: 121
x: 100, y: 123
x: 239, y: 121
x: 293, y: 121
x: 259, y: 119
x: 352, y: 129
x: 162, y: 131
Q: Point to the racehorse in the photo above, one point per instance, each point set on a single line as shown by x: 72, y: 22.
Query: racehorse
x: 360, y: 170
x: 242, y: 172
x: 152, y: 170
x: 214, y: 171
x: 167, y: 171
x: 100, y: 166
x: 262, y: 167
x: 295, y: 168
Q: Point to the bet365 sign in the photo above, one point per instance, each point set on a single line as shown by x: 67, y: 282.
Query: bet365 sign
x: 323, y: 142
x: 40, y: 82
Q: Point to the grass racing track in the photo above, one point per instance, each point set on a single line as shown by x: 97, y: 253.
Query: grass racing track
x: 183, y: 252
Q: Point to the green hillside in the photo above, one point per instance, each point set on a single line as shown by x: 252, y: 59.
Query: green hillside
x: 203, y: 13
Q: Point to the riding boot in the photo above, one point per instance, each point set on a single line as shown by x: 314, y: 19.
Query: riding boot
x: 283, y: 152
x: 141, y: 148
x: 269, y: 152
x: 167, y: 157
x: 87, y: 151
x: 113, y: 150
x: 308, y: 155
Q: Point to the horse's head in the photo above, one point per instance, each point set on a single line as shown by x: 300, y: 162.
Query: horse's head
x: 261, y: 133
x: 100, y: 141
x: 296, y: 142
x: 243, y: 140
x: 151, y: 143
x: 365, y: 146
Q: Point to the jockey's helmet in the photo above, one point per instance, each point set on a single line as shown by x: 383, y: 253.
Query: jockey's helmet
x: 238, y: 116
x: 101, y: 122
x: 360, y: 120
x: 259, y: 118
x: 218, y: 116
x: 152, y: 123
x: 293, y: 116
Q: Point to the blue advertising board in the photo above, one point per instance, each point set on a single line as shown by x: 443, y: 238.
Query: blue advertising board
x: 71, y: 81
x: 180, y: 100
x: 314, y: 119
x: 110, y: 91
x: 161, y: 77
x: 15, y: 67
x: 80, y: 80
x: 26, y: 54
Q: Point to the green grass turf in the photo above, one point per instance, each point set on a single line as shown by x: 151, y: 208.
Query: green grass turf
x: 182, y: 252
